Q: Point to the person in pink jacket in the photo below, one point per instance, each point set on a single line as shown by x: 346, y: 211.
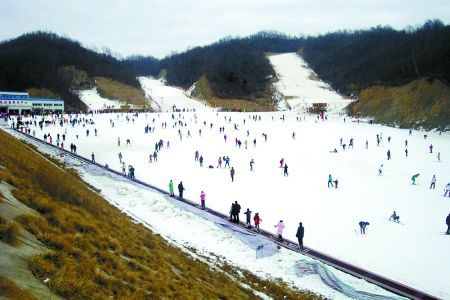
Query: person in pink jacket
x: 202, y: 199
x: 280, y: 228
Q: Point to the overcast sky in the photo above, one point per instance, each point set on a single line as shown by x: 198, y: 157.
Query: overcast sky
x: 159, y: 27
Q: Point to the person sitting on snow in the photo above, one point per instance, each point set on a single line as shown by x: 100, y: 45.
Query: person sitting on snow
x: 394, y: 217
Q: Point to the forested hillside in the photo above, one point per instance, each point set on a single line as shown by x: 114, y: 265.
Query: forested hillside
x: 354, y: 60
x: 47, y: 61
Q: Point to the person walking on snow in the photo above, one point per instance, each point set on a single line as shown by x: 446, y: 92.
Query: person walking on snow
x: 447, y: 190
x: 257, y: 221
x: 93, y: 157
x: 431, y: 148
x: 388, y: 153
x: 251, y: 164
x: 281, y: 163
x: 285, y: 170
x: 300, y: 234
x: 330, y: 180
x: 219, y: 162
x: 248, y: 217
x: 280, y: 227
x: 202, y: 200
x: 181, y: 189
x: 232, y: 174
x: 433, y: 182
x: 171, y: 193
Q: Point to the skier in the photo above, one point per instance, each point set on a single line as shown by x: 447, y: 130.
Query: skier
x: 196, y: 155
x: 93, y: 157
x: 251, y: 164
x: 281, y: 163
x: 171, y: 193
x: 181, y: 189
x: 380, y: 170
x: 120, y: 157
x: 118, y: 141
x: 201, y: 160
x: 232, y: 174
x: 227, y: 161
x: 406, y: 152
x: 362, y: 226
x: 202, y: 199
x: 414, y: 177
x: 447, y: 221
x: 257, y: 220
x: 300, y: 234
x: 447, y: 190
x: 431, y: 148
x: 388, y: 153
x: 394, y: 217
x: 330, y: 180
x: 439, y: 156
x: 433, y: 182
x: 248, y: 215
x: 280, y: 227
x: 285, y: 170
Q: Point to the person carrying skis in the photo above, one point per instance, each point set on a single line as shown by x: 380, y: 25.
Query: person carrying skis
x: 248, y: 217
x: 257, y: 221
x: 300, y: 234
x: 362, y: 226
x: 280, y: 227
x: 202, y: 199
x: 394, y: 217
x: 433, y: 182
x: 171, y: 193
x: 181, y: 189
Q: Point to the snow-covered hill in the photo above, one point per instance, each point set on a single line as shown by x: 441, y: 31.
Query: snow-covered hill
x: 165, y: 98
x: 300, y: 86
x: 94, y: 101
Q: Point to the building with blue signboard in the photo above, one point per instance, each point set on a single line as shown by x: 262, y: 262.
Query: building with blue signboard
x: 16, y: 102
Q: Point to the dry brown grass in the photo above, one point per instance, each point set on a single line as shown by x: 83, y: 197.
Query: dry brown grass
x: 98, y: 252
x: 419, y: 103
x: 10, y: 290
x: 112, y: 89
x: 9, y: 232
x: 242, y: 104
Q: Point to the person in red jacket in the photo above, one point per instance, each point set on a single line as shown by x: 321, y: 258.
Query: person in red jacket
x: 257, y: 220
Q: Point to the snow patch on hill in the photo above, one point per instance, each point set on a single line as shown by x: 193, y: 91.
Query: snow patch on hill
x: 94, y: 101
x: 300, y: 87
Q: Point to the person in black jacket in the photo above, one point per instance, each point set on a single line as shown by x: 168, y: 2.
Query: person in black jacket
x: 300, y: 234
x: 181, y: 189
x: 235, y: 212
x: 448, y: 223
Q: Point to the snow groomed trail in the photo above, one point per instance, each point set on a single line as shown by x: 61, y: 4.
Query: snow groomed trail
x: 381, y: 281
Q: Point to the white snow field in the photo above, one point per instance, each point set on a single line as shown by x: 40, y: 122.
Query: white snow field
x: 298, y: 86
x: 164, y: 98
x: 95, y: 102
x: 415, y: 252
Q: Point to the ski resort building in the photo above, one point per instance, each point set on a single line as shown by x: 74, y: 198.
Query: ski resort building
x: 19, y: 102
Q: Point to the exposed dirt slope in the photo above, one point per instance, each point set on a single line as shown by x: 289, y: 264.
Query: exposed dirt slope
x: 421, y: 103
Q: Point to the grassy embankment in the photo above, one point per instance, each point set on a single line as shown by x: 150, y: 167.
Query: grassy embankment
x: 114, y: 90
x: 95, y: 251
x: 421, y: 103
x: 204, y: 92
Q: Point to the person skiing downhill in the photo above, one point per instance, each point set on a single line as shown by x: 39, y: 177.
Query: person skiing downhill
x: 280, y: 227
x: 257, y: 221
x: 300, y: 234
x: 362, y: 226
x: 394, y: 217
x: 330, y: 180
x: 447, y: 190
x: 414, y: 177
x: 447, y: 221
x: 433, y: 182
